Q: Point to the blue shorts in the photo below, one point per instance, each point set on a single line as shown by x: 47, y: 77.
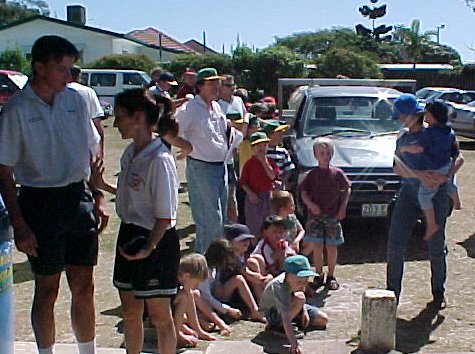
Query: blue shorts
x: 324, y: 229
x: 274, y: 317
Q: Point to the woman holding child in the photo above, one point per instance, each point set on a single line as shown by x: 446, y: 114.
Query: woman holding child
x: 410, y: 166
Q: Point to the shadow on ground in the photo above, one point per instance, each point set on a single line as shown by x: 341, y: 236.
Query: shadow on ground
x: 412, y: 335
x: 365, y: 242
x: 467, y: 145
x: 469, y: 245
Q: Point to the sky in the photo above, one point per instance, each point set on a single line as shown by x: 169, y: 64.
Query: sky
x: 258, y: 22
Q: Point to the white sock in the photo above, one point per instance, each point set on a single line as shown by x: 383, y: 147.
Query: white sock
x: 49, y: 350
x: 87, y: 347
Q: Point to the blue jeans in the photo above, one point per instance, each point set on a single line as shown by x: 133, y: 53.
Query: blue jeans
x: 406, y: 213
x: 207, y: 192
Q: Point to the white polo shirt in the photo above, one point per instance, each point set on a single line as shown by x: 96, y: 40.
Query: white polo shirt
x: 205, y: 129
x: 236, y: 104
x: 147, y: 188
x: 90, y: 97
x: 47, y: 146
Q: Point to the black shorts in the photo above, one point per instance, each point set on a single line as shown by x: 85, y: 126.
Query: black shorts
x: 64, y: 224
x: 154, y: 276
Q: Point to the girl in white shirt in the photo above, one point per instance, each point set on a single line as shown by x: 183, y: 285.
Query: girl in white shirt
x: 147, y: 253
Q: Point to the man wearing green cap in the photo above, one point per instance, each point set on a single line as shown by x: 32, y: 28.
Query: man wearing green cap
x: 283, y: 301
x: 204, y: 125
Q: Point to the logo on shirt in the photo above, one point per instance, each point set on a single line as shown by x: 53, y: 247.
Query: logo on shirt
x: 136, y: 182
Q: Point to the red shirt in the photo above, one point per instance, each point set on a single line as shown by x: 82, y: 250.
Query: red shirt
x: 185, y: 90
x: 324, y: 188
x: 255, y: 177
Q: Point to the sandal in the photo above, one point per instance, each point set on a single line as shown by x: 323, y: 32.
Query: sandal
x: 318, y: 281
x: 332, y: 284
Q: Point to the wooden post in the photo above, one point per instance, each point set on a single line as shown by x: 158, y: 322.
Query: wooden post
x: 378, y: 320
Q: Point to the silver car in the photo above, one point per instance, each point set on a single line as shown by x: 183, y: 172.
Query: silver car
x: 463, y: 120
x: 358, y: 121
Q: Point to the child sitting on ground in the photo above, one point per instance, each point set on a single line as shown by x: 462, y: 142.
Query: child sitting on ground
x: 283, y: 301
x: 257, y: 179
x: 439, y: 148
x: 325, y: 192
x: 256, y: 276
x: 275, y: 131
x: 208, y: 306
x: 283, y: 204
x: 272, y: 249
x: 214, y: 292
x: 192, y: 271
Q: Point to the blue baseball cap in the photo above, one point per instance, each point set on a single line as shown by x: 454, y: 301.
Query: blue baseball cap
x: 299, y: 266
x: 237, y: 232
x: 406, y: 104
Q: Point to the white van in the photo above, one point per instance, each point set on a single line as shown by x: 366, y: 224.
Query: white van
x: 109, y: 82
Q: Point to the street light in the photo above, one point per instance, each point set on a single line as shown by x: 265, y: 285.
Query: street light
x: 438, y: 32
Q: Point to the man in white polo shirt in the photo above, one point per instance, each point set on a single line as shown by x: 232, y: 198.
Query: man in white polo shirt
x: 46, y: 145
x: 203, y: 124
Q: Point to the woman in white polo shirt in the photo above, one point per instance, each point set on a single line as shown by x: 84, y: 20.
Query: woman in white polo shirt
x: 148, y: 247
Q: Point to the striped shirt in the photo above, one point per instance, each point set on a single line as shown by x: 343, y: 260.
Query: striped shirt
x: 281, y: 157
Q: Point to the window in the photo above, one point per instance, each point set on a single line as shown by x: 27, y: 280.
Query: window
x: 368, y: 114
x: 84, y: 78
x: 133, y: 79
x: 103, y: 79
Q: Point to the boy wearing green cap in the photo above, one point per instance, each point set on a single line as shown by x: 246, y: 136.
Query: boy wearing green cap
x: 283, y: 301
x: 257, y: 179
x: 275, y: 131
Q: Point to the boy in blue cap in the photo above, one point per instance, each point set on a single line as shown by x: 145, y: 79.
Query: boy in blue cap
x: 283, y: 301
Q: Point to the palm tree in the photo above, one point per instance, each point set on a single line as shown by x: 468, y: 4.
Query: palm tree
x: 411, y: 41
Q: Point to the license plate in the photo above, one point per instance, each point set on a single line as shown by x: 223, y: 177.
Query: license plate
x: 374, y: 210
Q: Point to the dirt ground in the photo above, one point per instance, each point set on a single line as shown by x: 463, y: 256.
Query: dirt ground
x: 361, y: 266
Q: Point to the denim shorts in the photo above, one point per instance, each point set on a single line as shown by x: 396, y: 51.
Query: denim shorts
x: 274, y: 317
x: 324, y: 229
x: 64, y: 224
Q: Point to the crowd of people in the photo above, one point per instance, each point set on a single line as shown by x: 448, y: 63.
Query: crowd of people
x: 251, y: 253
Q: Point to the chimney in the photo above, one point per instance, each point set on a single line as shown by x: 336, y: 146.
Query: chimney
x: 76, y: 14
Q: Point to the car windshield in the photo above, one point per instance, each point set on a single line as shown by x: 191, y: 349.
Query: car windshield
x: 349, y: 116
x: 19, y: 80
x: 146, y: 79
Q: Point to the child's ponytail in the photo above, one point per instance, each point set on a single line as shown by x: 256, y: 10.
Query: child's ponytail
x: 166, y: 125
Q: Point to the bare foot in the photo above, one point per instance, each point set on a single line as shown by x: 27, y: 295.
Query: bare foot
x: 185, y: 340
x: 256, y: 316
x: 225, y: 331
x: 187, y: 330
x: 430, y: 231
x: 208, y: 326
x: 206, y: 336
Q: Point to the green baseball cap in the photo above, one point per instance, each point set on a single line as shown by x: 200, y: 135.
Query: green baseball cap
x: 208, y: 74
x: 274, y: 125
x: 253, y: 120
x: 258, y: 137
x: 235, y: 116
x: 299, y: 266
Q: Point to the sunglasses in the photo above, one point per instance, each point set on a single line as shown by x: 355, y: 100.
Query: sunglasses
x: 230, y: 85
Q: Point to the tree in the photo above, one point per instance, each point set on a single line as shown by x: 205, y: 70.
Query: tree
x: 9, y: 14
x: 179, y: 63
x: 124, y: 61
x: 13, y: 59
x: 341, y: 61
x: 471, y: 3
